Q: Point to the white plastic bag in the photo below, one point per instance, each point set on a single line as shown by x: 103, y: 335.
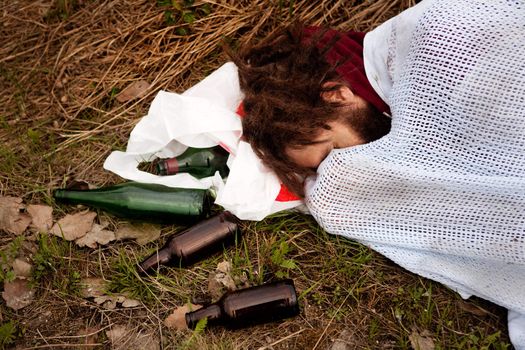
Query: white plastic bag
x: 204, y: 116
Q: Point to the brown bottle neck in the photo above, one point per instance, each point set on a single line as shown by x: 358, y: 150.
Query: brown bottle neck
x: 211, y: 312
x: 161, y: 257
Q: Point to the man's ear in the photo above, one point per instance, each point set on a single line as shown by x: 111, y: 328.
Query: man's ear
x: 337, y: 93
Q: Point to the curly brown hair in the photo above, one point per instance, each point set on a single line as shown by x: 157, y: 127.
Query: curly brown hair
x: 282, y: 78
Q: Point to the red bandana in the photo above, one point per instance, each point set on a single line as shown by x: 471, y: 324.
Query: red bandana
x: 348, y: 52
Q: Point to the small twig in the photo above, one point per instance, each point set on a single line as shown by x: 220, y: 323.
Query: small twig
x: 41, y: 336
x: 282, y: 339
x: 61, y: 345
x: 330, y: 322
x: 81, y: 336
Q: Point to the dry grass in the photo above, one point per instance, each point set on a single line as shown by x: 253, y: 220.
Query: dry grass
x: 61, y: 64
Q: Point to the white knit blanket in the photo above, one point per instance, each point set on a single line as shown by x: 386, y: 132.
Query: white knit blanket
x: 443, y: 194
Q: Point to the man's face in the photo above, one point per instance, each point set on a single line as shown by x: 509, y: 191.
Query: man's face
x: 340, y: 135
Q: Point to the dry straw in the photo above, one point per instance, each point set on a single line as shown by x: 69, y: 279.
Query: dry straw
x: 74, y: 54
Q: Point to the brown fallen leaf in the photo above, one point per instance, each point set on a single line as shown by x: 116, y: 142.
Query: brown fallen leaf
x: 421, y: 340
x: 42, y: 217
x: 142, y: 232
x: 106, y: 301
x: 92, y: 287
x: 177, y: 319
x: 111, y: 302
x: 130, y: 303
x: 472, y: 308
x: 220, y: 280
x: 124, y: 338
x: 89, y: 338
x: 12, y: 219
x: 95, y: 287
x: 17, y: 294
x: 117, y: 333
x: 74, y: 226
x: 22, y: 268
x: 132, y: 91
x: 346, y: 340
x: 97, y: 235
x: 224, y: 267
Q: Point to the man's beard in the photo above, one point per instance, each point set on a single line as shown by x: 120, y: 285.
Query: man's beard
x: 369, y: 122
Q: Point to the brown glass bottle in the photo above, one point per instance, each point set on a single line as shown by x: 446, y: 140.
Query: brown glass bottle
x: 265, y: 303
x: 195, y: 243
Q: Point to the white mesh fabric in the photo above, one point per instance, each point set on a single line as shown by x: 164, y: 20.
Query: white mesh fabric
x: 443, y: 194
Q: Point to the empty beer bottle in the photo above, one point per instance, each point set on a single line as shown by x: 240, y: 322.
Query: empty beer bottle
x: 195, y: 243
x: 264, y: 303
x: 143, y: 201
x: 198, y: 162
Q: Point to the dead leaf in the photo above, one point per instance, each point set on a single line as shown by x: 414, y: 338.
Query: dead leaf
x: 117, y: 333
x: 92, y: 287
x: 124, y: 338
x: 111, y: 302
x: 74, y: 226
x: 220, y: 280
x: 339, y: 345
x: 177, y: 319
x: 346, y: 340
x: 130, y: 303
x: 17, y: 293
x: 42, y: 216
x: 421, y: 340
x: 472, y: 308
x: 11, y: 217
x: 22, y: 268
x: 132, y: 91
x: 224, y: 267
x: 95, y: 287
x: 96, y: 235
x: 89, y: 338
x: 142, y: 232
x: 106, y: 301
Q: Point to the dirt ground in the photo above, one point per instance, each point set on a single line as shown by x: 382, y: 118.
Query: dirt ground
x: 63, y: 66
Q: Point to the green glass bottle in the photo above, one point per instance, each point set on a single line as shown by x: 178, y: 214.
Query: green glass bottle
x: 143, y: 201
x: 199, y: 162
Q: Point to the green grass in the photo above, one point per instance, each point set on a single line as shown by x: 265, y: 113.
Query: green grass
x: 8, y: 334
x: 52, y: 265
x: 124, y: 279
x: 7, y: 255
x: 345, y: 283
x: 9, y: 158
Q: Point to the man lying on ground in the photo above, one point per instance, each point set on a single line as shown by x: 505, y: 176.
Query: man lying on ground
x: 439, y: 188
